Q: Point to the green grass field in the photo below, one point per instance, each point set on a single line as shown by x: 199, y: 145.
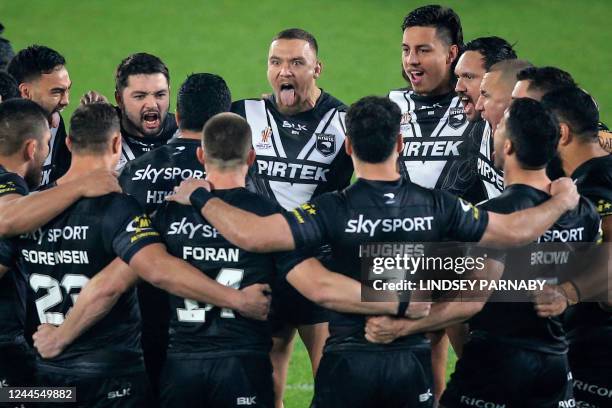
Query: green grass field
x: 359, y: 45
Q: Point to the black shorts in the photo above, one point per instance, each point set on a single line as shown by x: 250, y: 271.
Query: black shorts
x: 17, y: 367
x: 491, y: 374
x: 188, y: 380
x: 592, y: 371
x: 126, y: 390
x: 365, y: 379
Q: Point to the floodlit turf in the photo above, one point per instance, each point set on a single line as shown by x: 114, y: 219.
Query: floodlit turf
x: 359, y: 44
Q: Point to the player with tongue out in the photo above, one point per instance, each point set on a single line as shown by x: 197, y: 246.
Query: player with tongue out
x: 298, y: 136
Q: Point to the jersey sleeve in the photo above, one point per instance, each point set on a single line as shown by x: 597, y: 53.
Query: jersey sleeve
x: 601, y: 197
x: 11, y: 183
x: 129, y: 228
x: 312, y: 224
x: 461, y: 221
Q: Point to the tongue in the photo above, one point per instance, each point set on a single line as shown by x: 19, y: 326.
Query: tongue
x: 287, y: 97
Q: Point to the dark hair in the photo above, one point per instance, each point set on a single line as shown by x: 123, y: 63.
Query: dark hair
x: 6, y: 50
x: 444, y: 19
x: 8, y: 86
x: 91, y: 127
x: 545, y: 79
x: 492, y: 49
x: 298, y: 34
x: 227, y: 140
x: 534, y: 132
x: 33, y: 61
x: 201, y: 97
x: 20, y: 120
x: 372, y: 125
x: 577, y: 109
x: 137, y: 64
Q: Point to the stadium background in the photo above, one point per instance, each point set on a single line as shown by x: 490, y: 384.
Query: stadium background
x: 359, y: 45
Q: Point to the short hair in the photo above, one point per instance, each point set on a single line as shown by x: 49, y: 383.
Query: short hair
x: 6, y: 50
x: 534, y: 132
x: 226, y: 140
x: 32, y: 62
x: 545, y: 79
x: 444, y: 19
x: 20, y: 120
x: 8, y: 86
x: 372, y: 125
x: 577, y: 109
x: 140, y: 63
x: 298, y: 34
x: 493, y: 50
x: 91, y: 127
x: 201, y: 97
x: 509, y: 69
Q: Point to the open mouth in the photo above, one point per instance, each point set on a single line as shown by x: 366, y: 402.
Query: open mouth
x: 416, y: 76
x: 151, y: 120
x: 287, y: 94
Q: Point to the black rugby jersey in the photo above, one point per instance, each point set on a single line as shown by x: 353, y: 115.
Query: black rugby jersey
x: 152, y: 176
x: 62, y: 256
x: 440, y: 144
x: 57, y: 162
x: 199, y: 328
x: 379, y: 211
x: 133, y: 147
x: 299, y: 156
x: 517, y: 323
x: 13, y: 289
x: 588, y: 325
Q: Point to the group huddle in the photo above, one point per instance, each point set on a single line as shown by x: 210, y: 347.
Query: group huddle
x: 231, y: 225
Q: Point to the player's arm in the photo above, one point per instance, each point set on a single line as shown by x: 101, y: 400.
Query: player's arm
x: 23, y: 213
x: 155, y: 265
x: 95, y: 300
x: 462, y: 306
x: 244, y: 229
x: 340, y: 293
x: 521, y: 227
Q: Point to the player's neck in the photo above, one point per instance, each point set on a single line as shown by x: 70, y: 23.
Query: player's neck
x: 444, y: 88
x: 188, y: 134
x: 14, y: 165
x: 513, y: 174
x: 83, y: 164
x: 305, y: 105
x: 581, y: 153
x: 224, y: 180
x: 386, y: 171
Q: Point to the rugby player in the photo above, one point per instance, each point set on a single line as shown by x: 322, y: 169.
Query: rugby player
x: 150, y: 177
x: 24, y: 137
x: 8, y: 87
x: 42, y: 77
x: 142, y: 93
x: 589, y: 325
x: 298, y: 136
x: 6, y: 50
x: 374, y: 146
x: 59, y: 259
x: 478, y: 57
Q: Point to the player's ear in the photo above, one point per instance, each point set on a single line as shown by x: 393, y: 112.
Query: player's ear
x: 400, y: 143
x: 453, y: 53
x: 118, y: 98
x: 29, y: 149
x: 201, y: 155
x: 348, y: 147
x: 116, y: 143
x: 508, y: 147
x: 565, y: 137
x: 24, y: 90
x: 318, y: 69
x: 251, y: 157
x: 177, y: 117
x: 68, y: 141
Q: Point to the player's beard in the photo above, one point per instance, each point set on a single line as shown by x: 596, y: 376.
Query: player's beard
x: 33, y: 176
x: 138, y: 123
